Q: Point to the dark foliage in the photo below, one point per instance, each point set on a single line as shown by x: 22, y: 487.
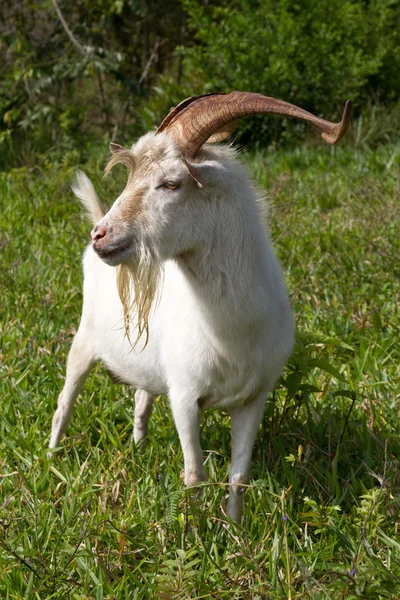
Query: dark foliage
x: 74, y: 72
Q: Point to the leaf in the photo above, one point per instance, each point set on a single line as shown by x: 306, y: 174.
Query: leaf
x: 346, y: 394
x: 292, y: 382
x: 172, y: 513
x: 324, y: 365
x: 307, y: 387
x: 336, y: 342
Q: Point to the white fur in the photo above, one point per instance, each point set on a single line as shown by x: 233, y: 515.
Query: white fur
x: 221, y: 330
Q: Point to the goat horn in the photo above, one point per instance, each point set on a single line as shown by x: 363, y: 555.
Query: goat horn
x: 213, y: 117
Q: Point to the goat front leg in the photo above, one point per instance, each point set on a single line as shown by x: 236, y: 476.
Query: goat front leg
x: 80, y: 363
x: 245, y: 421
x: 143, y: 407
x: 187, y: 421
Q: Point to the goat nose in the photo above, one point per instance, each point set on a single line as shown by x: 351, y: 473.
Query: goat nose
x: 98, y: 232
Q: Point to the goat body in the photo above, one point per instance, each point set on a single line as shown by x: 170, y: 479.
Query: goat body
x: 201, y: 290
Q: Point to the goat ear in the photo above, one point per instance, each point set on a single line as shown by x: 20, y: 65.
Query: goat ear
x: 202, y: 173
x: 115, y: 148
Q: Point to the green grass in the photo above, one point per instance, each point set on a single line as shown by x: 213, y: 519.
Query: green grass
x: 106, y: 520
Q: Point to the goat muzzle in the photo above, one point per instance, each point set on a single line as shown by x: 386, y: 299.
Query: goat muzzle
x: 98, y: 233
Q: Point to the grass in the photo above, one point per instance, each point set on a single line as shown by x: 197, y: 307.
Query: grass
x: 106, y: 520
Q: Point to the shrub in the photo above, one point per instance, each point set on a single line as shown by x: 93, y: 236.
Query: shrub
x: 314, y: 54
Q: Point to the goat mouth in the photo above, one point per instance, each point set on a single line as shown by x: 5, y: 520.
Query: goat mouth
x: 115, y: 255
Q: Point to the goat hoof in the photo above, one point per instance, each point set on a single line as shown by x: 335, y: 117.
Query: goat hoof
x: 194, y: 477
x: 139, y: 438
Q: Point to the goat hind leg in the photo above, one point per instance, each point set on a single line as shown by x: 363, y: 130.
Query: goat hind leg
x: 244, y: 421
x: 143, y: 407
x: 80, y: 363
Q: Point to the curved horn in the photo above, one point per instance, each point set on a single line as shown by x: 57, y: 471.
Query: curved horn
x: 214, y: 117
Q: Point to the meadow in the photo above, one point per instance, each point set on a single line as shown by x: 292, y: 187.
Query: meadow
x: 105, y: 520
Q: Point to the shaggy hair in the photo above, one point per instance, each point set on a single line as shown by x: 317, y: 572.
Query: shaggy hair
x: 124, y: 157
x: 137, y: 289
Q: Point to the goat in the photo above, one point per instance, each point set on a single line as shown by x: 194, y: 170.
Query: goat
x: 197, y: 307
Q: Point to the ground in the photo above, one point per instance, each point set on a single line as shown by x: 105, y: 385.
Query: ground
x: 104, y: 519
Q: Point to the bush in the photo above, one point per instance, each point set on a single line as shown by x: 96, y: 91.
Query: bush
x: 314, y: 54
x: 69, y: 83
x: 119, y: 66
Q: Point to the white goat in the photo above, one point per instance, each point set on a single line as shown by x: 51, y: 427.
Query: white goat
x: 198, y: 285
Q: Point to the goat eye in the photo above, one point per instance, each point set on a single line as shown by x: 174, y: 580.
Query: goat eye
x: 170, y: 185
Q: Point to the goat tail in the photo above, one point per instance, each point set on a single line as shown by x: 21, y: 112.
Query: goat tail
x: 84, y: 190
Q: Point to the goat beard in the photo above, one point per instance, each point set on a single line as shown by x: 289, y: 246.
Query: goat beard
x: 138, y: 286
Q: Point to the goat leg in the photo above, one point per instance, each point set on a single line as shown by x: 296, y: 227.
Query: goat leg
x: 80, y: 363
x: 143, y: 408
x: 244, y: 422
x: 186, y: 415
